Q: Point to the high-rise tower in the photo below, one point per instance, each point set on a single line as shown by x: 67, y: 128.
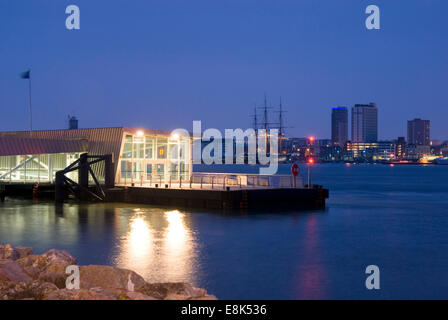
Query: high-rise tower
x: 365, y: 123
x: 339, y: 126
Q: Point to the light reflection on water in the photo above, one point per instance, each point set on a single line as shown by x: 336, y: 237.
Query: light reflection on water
x: 312, y: 275
x: 158, y: 245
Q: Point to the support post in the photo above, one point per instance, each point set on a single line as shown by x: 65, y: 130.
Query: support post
x: 309, y: 176
x: 83, y: 176
x: 109, y: 177
x: 59, y: 187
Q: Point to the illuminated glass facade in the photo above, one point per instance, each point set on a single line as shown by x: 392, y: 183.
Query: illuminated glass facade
x: 37, y: 168
x: 140, y: 156
x: 154, y: 159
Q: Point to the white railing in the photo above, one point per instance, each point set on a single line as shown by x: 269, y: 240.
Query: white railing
x: 203, y: 180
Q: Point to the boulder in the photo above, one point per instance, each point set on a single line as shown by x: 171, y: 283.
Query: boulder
x: 175, y: 291
x: 27, y: 263
x: 109, y: 278
x: 56, y: 278
x: 82, y: 294
x: 132, y: 295
x: 50, y: 266
x: 56, y: 258
x: 8, y: 252
x: 12, y: 271
x: 34, y: 290
x: 24, y: 251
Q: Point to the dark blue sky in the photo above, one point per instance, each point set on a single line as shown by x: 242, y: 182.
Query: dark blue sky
x: 162, y: 64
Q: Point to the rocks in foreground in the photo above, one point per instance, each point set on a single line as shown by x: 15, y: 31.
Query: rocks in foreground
x: 24, y: 275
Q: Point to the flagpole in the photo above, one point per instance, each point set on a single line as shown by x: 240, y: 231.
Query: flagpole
x: 31, y: 109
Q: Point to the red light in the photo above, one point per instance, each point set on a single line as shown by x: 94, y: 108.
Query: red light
x: 311, y: 139
x: 310, y: 160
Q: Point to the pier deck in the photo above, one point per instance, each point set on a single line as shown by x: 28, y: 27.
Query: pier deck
x: 230, y: 198
x: 217, y: 198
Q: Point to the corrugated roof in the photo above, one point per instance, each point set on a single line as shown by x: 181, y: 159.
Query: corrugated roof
x: 10, y: 146
x: 100, y: 140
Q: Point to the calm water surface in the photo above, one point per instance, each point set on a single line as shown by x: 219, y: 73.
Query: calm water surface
x: 393, y: 217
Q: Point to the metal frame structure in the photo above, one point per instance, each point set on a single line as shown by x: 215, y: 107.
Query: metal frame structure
x: 81, y: 189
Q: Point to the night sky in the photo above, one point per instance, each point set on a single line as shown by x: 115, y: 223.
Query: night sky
x: 162, y: 64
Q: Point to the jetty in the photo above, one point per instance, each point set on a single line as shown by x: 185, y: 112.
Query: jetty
x: 136, y: 165
x: 217, y: 196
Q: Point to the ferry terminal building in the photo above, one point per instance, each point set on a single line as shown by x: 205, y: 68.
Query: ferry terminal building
x: 139, y: 155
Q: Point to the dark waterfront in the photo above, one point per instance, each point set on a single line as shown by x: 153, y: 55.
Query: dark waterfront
x: 393, y: 217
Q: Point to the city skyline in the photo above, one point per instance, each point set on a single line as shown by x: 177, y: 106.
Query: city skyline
x: 174, y: 63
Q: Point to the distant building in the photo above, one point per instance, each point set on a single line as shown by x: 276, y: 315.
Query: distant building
x: 72, y: 123
x: 361, y: 150
x: 339, y: 126
x: 298, y: 142
x: 302, y: 148
x: 324, y: 142
x: 385, y: 150
x: 400, y: 147
x: 415, y: 151
x: 418, y: 132
x: 365, y: 123
x: 371, y: 151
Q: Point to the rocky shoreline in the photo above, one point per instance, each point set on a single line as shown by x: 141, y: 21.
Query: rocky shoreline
x: 27, y: 276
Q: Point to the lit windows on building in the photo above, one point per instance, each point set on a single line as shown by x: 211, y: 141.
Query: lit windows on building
x: 154, y: 158
x: 376, y: 151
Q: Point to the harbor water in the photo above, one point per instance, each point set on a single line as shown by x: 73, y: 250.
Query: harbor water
x: 395, y: 217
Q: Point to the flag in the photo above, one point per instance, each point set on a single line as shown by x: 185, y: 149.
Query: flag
x: 26, y: 74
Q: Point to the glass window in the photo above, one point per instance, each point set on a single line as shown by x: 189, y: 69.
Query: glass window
x: 138, y: 170
x: 173, y: 168
x: 183, y: 167
x: 160, y: 168
x: 126, y: 169
x: 162, y: 148
x: 184, y: 149
x: 173, y: 151
x: 139, y: 147
x: 173, y: 171
x: 148, y: 171
x: 127, y: 148
x: 149, y: 148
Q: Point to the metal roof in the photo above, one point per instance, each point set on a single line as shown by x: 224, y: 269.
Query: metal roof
x: 100, y: 140
x: 10, y: 146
